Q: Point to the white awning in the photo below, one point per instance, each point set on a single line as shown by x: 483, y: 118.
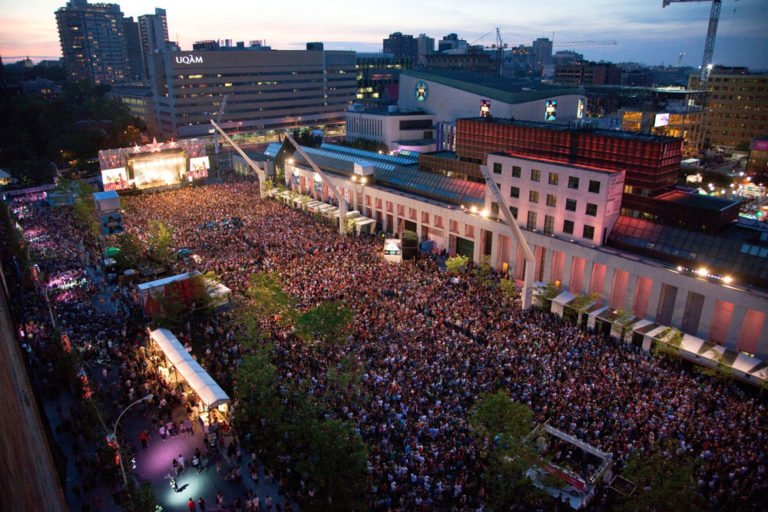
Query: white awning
x: 209, y: 392
x: 363, y: 221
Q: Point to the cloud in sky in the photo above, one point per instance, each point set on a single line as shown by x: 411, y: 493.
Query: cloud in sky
x: 645, y: 31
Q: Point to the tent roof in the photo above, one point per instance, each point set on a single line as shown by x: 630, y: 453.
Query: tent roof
x: 167, y: 280
x: 207, y: 389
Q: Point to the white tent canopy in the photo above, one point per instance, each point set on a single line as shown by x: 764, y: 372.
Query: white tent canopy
x: 207, y: 389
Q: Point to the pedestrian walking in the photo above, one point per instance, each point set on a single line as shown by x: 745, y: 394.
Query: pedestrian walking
x: 219, y: 499
x: 201, y: 504
x: 191, y: 505
x: 181, y: 462
x: 144, y: 438
x: 163, y: 433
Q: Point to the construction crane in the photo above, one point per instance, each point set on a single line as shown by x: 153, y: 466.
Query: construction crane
x: 500, y: 50
x: 709, y: 44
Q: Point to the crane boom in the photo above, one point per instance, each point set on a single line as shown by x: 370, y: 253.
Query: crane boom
x: 709, y: 44
x: 517, y: 236
x: 259, y: 172
x: 343, y: 207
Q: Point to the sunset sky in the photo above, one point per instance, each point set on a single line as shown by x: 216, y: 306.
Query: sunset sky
x: 645, y: 32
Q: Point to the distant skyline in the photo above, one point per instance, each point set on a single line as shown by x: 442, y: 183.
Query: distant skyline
x: 644, y: 31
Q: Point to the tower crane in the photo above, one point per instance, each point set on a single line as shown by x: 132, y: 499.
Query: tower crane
x: 709, y: 45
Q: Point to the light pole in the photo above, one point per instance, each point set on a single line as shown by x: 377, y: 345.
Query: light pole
x: 114, y: 436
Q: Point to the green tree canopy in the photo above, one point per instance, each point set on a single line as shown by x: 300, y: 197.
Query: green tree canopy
x: 328, y: 322
x: 663, y: 482
x: 455, y: 263
x: 160, y: 242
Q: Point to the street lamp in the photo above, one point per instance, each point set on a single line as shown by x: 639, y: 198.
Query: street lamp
x: 114, y: 436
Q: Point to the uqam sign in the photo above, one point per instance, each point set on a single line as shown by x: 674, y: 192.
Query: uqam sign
x: 189, y: 59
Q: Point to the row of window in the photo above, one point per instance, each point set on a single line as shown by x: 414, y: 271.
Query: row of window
x: 588, y: 231
x: 553, y: 178
x: 570, y: 204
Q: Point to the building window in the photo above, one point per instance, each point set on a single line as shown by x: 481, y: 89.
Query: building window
x: 516, y: 171
x: 589, y: 232
x: 494, y: 209
x: 554, y: 178
x: 531, y: 224
x: 549, y: 224
x: 591, y: 210
x: 425, y: 217
x: 496, y: 168
x: 533, y: 196
x: 568, y: 227
x: 594, y: 186
x: 570, y: 205
x: 514, y: 192
x: 513, y: 211
x: 573, y: 182
x: 551, y: 200
x: 535, y: 175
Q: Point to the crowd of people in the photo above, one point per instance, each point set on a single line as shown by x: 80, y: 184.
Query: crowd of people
x: 71, y: 321
x: 428, y: 346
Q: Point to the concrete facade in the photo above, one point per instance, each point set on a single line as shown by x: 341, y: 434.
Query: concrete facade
x: 396, y: 129
x: 724, y: 314
x: 268, y: 89
x: 449, y: 103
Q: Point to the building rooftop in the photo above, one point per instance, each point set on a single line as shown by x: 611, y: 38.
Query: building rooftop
x: 398, y: 173
x: 592, y: 168
x: 738, y: 249
x: 697, y: 201
x: 494, y: 87
x: 576, y: 127
x: 385, y: 111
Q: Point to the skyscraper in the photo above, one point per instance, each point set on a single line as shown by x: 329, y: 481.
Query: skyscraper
x: 93, y: 41
x: 153, y: 31
x: 542, y: 53
x: 425, y: 46
x: 133, y: 46
x: 402, y: 46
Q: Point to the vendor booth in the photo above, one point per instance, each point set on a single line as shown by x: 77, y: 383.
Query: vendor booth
x: 177, y: 366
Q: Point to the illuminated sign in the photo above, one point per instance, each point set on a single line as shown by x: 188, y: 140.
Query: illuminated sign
x: 550, y: 110
x: 661, y: 120
x: 115, y: 179
x: 189, y: 59
x: 485, y: 108
x: 580, y: 109
x: 198, y: 167
x: 422, y: 91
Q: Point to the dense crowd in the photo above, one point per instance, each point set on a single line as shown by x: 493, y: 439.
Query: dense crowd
x: 427, y: 346
x: 430, y: 346
x: 66, y: 332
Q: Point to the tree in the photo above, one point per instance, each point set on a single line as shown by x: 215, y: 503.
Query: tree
x: 328, y: 322
x: 259, y: 409
x: 664, y: 482
x: 501, y: 425
x: 131, y: 250
x: 509, y: 290
x: 338, y: 465
x: 546, y: 294
x: 456, y: 263
x: 267, y: 298
x: 160, y: 243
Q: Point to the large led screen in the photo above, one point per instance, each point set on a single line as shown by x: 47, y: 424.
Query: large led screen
x: 157, y: 170
x: 115, y: 179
